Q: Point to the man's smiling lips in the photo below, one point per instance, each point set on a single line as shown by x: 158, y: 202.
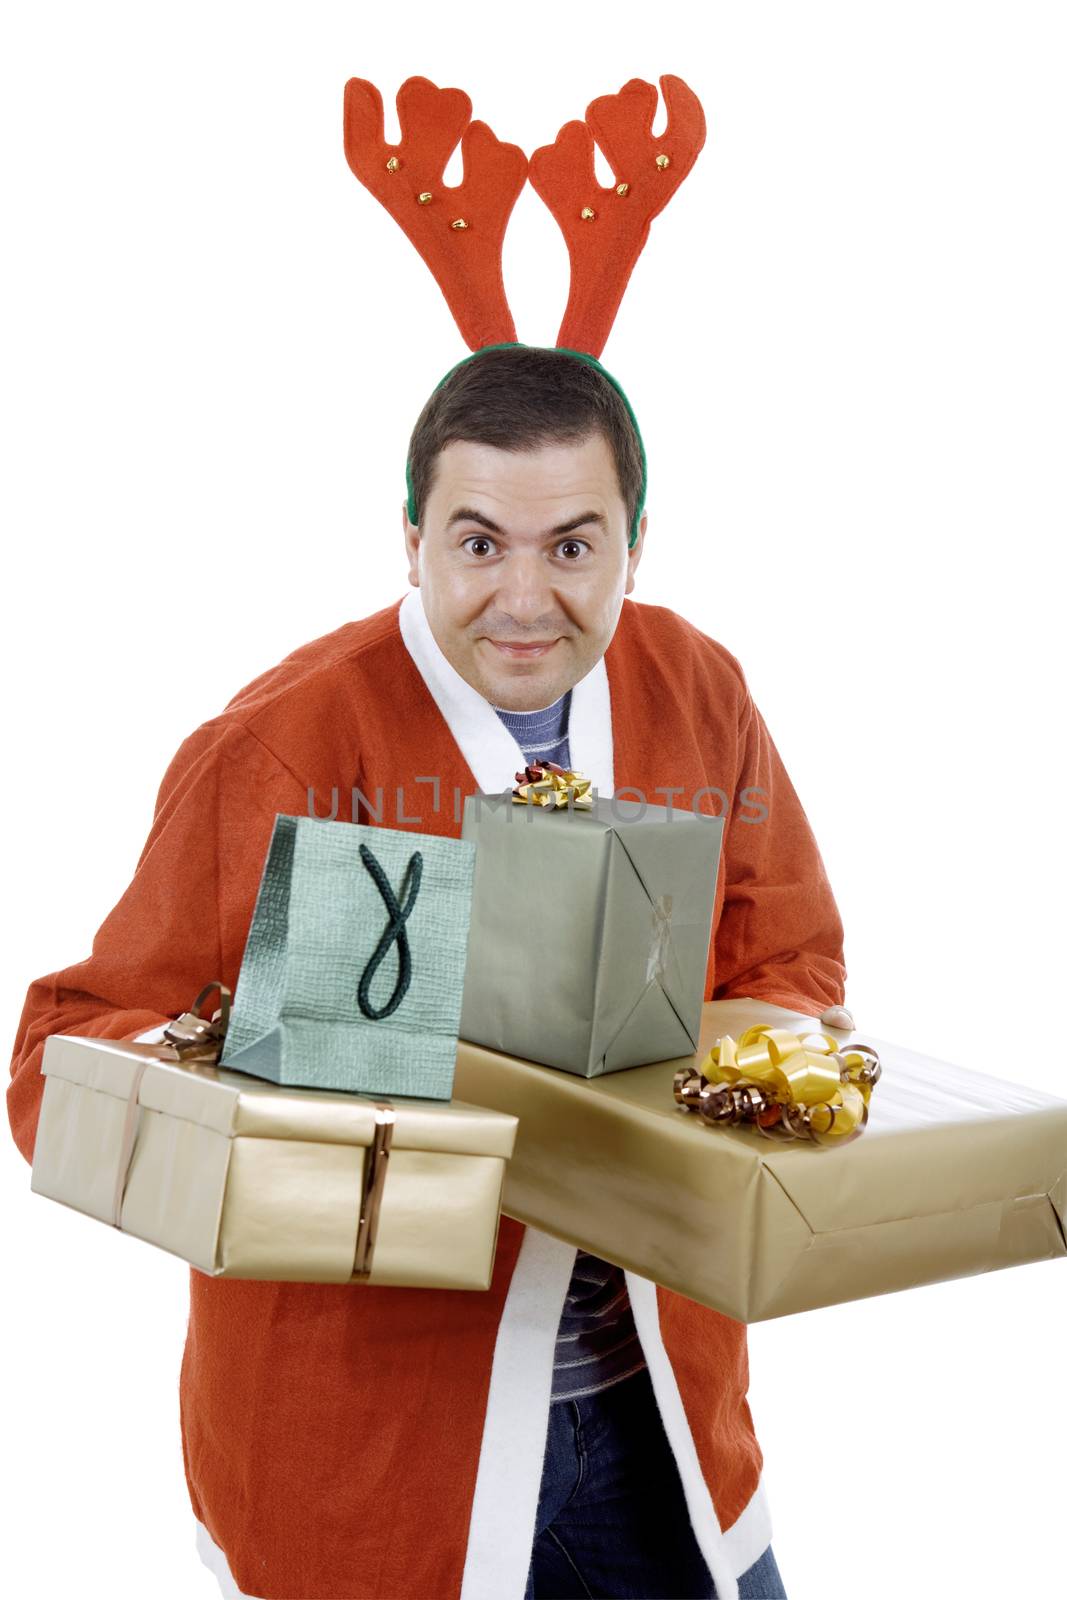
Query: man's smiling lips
x: 523, y: 650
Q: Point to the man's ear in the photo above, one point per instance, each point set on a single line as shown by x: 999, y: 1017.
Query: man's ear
x: 411, y: 545
x: 634, y: 556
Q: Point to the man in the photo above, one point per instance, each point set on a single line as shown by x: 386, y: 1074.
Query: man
x: 572, y: 1430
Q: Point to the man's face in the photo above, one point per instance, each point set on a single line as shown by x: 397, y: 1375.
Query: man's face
x: 517, y: 548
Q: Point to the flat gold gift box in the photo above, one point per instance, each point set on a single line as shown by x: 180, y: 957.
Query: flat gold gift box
x: 244, y: 1178
x: 956, y: 1173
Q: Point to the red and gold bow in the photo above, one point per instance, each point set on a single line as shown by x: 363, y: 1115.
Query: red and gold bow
x: 547, y: 784
x: 790, y: 1086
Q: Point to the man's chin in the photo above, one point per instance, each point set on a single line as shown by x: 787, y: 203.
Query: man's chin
x: 523, y: 690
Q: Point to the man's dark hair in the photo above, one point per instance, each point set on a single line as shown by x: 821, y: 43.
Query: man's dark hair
x: 520, y: 398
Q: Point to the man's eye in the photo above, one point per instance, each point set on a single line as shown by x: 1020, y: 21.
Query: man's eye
x: 483, y: 539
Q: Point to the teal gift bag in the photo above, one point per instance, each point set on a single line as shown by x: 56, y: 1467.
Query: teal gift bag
x: 352, y: 976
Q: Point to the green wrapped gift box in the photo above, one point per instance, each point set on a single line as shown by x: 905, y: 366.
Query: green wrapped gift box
x: 590, y: 931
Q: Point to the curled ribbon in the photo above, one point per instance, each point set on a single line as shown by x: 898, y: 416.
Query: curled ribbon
x: 789, y: 1086
x: 547, y: 784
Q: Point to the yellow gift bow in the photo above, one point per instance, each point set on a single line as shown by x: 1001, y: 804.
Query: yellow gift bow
x: 544, y: 783
x: 790, y: 1086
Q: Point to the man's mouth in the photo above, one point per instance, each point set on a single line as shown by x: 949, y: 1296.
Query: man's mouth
x: 540, y: 649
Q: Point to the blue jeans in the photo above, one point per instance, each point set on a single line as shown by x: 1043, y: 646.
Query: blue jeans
x: 612, y: 1519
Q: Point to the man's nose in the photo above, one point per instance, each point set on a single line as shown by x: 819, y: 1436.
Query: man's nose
x: 524, y: 588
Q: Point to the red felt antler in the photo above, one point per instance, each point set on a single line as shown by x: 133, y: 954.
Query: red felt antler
x: 459, y: 232
x: 606, y: 229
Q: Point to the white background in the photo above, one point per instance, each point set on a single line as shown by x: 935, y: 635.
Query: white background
x: 846, y: 345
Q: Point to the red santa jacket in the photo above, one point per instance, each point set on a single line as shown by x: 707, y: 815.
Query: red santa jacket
x: 344, y: 1442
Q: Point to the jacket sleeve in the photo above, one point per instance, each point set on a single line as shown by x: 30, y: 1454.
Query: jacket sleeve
x: 183, y: 921
x: 779, y: 936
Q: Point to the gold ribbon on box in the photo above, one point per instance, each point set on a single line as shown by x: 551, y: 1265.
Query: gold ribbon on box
x: 788, y: 1085
x: 194, y: 1037
x: 545, y: 783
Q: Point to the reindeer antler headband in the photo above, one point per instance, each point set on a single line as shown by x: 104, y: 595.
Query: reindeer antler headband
x: 459, y: 231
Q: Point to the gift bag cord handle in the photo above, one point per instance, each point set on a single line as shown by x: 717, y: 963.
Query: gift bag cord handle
x: 395, y: 929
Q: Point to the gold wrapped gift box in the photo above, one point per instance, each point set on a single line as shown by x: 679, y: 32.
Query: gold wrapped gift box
x: 955, y: 1173
x: 244, y: 1178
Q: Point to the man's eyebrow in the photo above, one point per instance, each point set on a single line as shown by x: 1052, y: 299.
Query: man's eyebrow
x: 468, y: 514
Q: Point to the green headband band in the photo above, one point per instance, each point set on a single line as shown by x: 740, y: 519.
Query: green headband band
x: 591, y: 361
